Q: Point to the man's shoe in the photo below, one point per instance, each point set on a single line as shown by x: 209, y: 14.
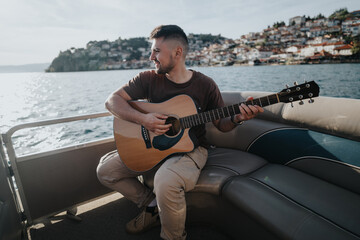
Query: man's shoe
x: 146, y: 220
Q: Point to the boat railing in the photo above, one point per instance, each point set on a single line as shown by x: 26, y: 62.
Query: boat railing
x: 12, y: 160
x: 7, y: 137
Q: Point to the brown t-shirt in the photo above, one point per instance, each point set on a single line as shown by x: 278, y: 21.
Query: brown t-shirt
x: 157, y: 88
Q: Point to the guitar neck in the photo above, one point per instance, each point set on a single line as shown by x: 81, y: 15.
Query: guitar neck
x: 224, y: 112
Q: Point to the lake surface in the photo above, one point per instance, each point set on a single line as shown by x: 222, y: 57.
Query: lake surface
x: 28, y: 97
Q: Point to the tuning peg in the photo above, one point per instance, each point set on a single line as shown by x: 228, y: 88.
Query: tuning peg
x: 296, y: 83
x: 287, y: 88
x: 301, y: 100
x: 311, y: 95
x: 291, y: 101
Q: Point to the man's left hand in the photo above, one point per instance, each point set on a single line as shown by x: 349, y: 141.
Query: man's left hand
x: 248, y: 112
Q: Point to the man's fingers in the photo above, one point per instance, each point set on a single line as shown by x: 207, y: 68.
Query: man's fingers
x: 248, y: 112
x: 161, y: 130
x: 160, y: 116
x: 246, y: 109
x: 260, y: 109
x: 162, y: 126
x: 253, y: 109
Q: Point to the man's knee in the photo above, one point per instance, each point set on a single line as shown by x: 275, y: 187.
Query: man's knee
x: 105, y: 169
x: 100, y: 172
x: 167, y: 183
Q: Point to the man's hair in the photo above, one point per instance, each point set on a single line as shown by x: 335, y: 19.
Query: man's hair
x: 171, y: 32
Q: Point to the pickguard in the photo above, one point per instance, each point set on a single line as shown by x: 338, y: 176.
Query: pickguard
x: 164, y: 142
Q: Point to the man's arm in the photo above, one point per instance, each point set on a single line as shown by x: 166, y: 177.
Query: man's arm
x: 117, y: 104
x: 246, y: 113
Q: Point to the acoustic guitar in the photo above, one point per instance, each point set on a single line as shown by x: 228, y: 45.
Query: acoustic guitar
x: 141, y: 150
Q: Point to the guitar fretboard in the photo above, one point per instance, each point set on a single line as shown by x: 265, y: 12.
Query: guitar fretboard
x: 215, y: 114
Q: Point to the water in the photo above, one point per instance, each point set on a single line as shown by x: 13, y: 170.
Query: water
x: 28, y: 97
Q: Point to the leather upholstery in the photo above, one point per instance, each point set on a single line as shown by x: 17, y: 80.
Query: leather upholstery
x: 220, y: 166
x: 334, y: 116
x: 343, y: 175
x: 296, y: 205
x: 223, y: 164
x: 243, y: 136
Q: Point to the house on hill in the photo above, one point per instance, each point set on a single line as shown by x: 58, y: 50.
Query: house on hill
x: 345, y: 50
x: 296, y: 20
x: 356, y: 13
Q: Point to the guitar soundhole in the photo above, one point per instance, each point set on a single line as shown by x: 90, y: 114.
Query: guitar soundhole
x: 175, y: 128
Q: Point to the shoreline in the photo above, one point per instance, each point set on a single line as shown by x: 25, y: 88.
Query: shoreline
x: 353, y: 61
x: 235, y: 64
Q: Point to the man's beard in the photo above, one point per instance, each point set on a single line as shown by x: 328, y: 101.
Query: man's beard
x: 165, y: 69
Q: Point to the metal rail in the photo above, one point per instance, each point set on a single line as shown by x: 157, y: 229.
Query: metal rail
x: 12, y: 130
x: 7, y: 136
x: 13, y: 159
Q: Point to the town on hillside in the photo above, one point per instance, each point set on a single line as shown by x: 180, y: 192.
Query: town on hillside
x: 304, y: 40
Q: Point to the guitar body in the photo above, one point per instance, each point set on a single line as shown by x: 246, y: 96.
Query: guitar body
x: 141, y: 150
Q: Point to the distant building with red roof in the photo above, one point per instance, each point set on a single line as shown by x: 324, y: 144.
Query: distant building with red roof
x: 345, y: 50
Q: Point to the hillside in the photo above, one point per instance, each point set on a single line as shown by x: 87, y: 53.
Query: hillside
x: 303, y: 40
x: 130, y: 53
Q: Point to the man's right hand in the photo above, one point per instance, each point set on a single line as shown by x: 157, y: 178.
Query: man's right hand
x: 155, y: 122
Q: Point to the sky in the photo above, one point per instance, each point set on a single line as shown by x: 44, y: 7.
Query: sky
x: 35, y: 31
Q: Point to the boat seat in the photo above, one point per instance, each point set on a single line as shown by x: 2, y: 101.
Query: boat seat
x: 295, y: 205
x: 222, y: 164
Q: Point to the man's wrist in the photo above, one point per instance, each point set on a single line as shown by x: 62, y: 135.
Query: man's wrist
x: 232, y: 118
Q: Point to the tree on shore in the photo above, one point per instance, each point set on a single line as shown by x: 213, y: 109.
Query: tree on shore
x: 279, y: 24
x: 356, y: 46
x: 319, y: 16
x: 340, y: 14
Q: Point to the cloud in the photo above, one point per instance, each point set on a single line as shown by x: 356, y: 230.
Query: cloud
x: 36, y: 30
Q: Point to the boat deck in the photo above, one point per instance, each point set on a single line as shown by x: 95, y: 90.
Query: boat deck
x: 105, y: 218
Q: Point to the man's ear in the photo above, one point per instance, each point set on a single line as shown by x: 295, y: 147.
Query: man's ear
x: 179, y: 51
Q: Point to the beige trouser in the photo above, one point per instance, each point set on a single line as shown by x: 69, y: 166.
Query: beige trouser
x: 176, y: 176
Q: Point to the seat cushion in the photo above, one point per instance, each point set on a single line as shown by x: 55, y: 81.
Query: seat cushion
x: 296, y: 205
x: 222, y: 164
x: 237, y: 161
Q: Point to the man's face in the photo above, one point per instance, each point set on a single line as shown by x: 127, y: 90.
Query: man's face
x: 162, y: 55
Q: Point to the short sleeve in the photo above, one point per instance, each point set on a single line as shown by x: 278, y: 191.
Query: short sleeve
x: 215, y: 97
x: 137, y: 88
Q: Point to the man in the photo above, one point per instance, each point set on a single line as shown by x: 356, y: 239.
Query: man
x: 178, y: 174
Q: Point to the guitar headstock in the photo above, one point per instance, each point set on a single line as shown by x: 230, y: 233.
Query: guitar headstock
x: 307, y: 90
